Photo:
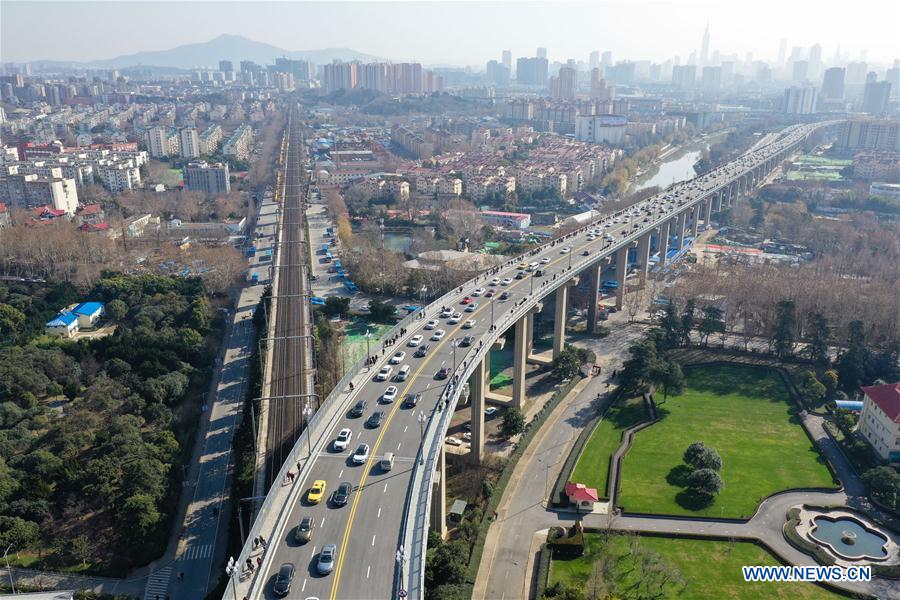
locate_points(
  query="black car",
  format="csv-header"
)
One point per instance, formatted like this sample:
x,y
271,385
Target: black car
x,y
442,374
358,410
422,351
284,579
411,400
586,253
521,275
504,295
342,494
375,420
539,273
466,341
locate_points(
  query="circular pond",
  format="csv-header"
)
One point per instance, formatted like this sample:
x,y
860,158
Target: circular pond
x,y
849,538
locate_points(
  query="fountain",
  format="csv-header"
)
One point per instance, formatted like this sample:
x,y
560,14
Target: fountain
x,y
848,537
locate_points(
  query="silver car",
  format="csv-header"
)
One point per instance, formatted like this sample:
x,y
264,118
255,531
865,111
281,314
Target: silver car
x,y
325,564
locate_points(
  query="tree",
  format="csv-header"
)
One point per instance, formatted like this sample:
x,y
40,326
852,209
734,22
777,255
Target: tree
x,y
140,513
812,389
567,364
564,591
668,374
854,364
669,327
513,423
705,482
700,456
116,309
830,381
637,370
336,306
447,564
819,336
80,549
785,324
381,311
10,319
883,484
687,323
712,322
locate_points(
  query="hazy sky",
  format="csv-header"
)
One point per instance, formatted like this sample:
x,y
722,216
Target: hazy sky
x,y
453,32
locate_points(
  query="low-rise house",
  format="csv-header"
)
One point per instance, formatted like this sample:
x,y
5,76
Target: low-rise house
x,y
89,313
879,421
65,324
581,496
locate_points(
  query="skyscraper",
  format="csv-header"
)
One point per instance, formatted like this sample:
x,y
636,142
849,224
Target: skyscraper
x,y
801,70
876,97
704,47
815,61
833,84
507,59
565,84
594,60
542,53
606,59
531,71
800,100
782,51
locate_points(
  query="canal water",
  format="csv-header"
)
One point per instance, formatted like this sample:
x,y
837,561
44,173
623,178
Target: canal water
x,y
671,171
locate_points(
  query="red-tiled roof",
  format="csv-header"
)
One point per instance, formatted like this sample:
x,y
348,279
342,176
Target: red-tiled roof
x,y
581,493
90,209
2,207
887,398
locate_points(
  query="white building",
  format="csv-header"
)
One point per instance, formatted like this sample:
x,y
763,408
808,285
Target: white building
x,y
27,191
800,100
238,145
609,129
879,421
190,142
158,142
208,178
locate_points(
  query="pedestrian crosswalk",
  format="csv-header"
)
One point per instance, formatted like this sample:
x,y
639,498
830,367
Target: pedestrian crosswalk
x,y
196,552
158,584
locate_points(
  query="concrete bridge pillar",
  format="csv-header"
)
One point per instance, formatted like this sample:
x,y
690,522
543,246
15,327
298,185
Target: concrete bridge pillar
x,y
695,221
707,218
520,354
643,257
478,383
593,273
621,270
438,521
664,242
559,321
679,228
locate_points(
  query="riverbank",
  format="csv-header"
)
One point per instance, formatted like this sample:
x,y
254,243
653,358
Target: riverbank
x,y
675,164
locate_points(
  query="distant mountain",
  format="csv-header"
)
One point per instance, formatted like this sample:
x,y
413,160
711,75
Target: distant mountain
x,y
225,47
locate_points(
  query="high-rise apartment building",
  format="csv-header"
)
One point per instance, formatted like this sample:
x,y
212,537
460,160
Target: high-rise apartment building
x,y
190,142
606,59
564,85
876,97
711,79
497,73
833,83
684,76
207,178
869,134
800,71
594,60
226,66
856,73
157,140
507,60
532,71
542,53
800,100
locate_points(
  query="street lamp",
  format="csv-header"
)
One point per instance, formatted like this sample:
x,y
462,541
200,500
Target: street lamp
x,y
307,413
421,419
8,570
367,335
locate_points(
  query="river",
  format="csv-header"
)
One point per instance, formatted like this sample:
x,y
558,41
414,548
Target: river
x,y
678,167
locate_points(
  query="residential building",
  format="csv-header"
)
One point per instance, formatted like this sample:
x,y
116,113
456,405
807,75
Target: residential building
x,y
209,139
157,139
877,166
876,97
879,422
189,142
28,191
833,83
411,142
684,76
564,85
800,100
876,188
507,220
532,71
238,144
207,178
869,134
608,129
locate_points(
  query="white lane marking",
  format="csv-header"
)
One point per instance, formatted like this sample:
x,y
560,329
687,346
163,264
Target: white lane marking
x,y
405,428
373,540
385,488
314,552
341,474
369,568
303,588
398,446
323,522
379,512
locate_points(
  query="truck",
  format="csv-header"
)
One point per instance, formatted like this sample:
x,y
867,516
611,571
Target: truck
x,y
254,278
251,251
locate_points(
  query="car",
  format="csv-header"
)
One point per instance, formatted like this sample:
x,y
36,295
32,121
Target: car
x,y
466,341
495,281
342,494
415,341
422,351
504,295
398,357
467,436
469,324
465,300
438,335
432,323
325,564
490,410
521,275
304,530
456,318
467,426
375,419
446,312
545,260
385,373
452,441
539,273
411,400
390,394
489,294
361,454
358,409
343,438
478,291
586,253
317,491
507,281
443,373
283,579
565,250
523,265
612,309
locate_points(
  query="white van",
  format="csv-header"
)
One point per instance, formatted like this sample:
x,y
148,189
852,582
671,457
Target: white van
x,y
387,461
403,373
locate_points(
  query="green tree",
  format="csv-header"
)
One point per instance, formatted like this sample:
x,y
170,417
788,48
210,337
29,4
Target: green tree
x,y
669,327
21,532
10,319
637,370
830,381
140,512
667,373
785,324
705,482
700,456
711,322
447,564
336,305
567,364
819,336
451,591
883,484
687,323
513,423
381,312
80,549
812,389
854,365
564,591
116,309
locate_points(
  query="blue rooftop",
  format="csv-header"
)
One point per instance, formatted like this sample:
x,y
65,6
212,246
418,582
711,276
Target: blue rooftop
x,y
88,308
63,319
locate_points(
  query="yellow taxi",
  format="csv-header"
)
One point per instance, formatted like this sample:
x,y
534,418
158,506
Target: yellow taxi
x,y
316,492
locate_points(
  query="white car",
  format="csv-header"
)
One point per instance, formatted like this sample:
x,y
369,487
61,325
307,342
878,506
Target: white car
x,y
490,410
456,318
446,312
361,454
478,291
452,441
472,307
495,281
565,250
432,324
385,373
438,335
545,260
469,324
415,341
343,438
390,394
507,281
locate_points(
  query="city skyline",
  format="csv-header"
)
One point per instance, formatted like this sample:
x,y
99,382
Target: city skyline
x,y
131,27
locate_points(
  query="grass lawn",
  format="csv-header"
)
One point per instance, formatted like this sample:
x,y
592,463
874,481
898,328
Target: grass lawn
x,y
592,468
743,413
711,569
